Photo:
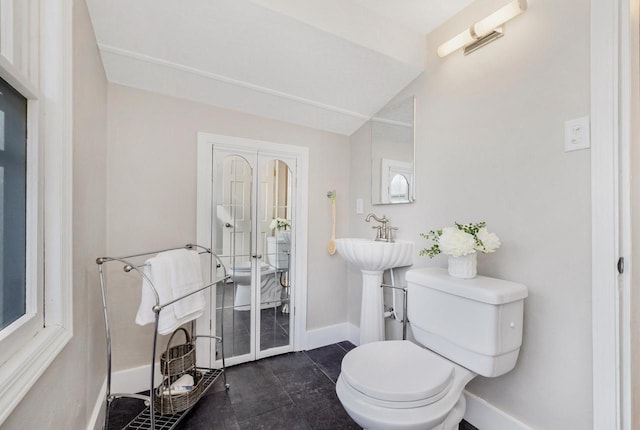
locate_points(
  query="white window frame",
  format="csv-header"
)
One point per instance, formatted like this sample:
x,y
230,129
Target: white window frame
x,y
388,169
54,133
18,332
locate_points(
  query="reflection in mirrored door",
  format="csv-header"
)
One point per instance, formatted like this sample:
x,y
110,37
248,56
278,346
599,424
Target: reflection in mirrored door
x,y
252,223
232,224
275,232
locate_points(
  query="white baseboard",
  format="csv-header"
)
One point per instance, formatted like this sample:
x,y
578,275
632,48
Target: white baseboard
x,y
328,335
485,416
96,420
134,380
353,334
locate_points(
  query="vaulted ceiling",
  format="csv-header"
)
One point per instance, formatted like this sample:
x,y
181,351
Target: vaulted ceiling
x,y
326,64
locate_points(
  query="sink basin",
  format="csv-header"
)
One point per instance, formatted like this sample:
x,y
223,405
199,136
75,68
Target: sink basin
x,y
367,254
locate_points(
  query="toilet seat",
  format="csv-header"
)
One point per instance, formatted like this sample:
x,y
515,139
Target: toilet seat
x,y
397,374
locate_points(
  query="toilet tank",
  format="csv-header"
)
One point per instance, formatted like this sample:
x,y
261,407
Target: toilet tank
x,y
476,323
278,252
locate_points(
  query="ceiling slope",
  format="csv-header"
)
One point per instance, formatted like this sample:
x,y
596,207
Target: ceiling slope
x,y
329,65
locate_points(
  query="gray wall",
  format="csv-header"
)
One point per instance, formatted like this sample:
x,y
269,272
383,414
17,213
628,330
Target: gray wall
x,y
490,148
152,197
65,395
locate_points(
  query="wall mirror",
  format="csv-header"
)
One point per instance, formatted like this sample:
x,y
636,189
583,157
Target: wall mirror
x,y
392,153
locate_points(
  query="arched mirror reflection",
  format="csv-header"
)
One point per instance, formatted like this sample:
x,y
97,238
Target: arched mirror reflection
x,y
276,226
399,189
253,225
232,223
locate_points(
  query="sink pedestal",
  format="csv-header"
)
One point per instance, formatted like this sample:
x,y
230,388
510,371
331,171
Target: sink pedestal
x,y
372,310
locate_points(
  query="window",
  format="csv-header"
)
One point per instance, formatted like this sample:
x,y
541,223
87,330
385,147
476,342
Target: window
x,y
13,205
35,220
396,181
399,189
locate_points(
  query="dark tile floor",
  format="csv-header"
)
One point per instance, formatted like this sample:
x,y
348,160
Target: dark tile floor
x,y
466,426
290,391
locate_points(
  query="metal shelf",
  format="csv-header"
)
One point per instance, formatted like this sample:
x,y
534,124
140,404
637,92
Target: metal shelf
x,y
169,422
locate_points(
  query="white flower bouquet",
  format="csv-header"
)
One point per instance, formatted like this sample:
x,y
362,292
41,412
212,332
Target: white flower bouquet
x,y
280,224
461,240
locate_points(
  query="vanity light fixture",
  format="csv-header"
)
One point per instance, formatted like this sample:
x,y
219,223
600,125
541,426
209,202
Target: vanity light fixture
x,y
484,31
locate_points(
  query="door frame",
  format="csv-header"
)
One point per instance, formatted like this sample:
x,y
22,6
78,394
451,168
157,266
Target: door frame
x,y
206,142
611,110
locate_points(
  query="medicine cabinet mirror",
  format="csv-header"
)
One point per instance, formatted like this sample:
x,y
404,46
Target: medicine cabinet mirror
x,y
392,153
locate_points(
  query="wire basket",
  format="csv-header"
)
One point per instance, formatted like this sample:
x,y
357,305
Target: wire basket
x,y
172,403
179,358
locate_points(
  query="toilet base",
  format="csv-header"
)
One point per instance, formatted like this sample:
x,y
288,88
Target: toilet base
x,y
456,415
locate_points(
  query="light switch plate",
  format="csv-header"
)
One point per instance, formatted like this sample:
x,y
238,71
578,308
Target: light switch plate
x,y
359,206
577,134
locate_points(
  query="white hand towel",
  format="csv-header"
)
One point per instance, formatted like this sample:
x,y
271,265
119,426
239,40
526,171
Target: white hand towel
x,y
173,274
145,313
186,277
158,270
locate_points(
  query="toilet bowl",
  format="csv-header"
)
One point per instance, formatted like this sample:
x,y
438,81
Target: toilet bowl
x,y
399,385
270,289
465,328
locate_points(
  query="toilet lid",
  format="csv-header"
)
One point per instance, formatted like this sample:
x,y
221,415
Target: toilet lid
x,y
398,372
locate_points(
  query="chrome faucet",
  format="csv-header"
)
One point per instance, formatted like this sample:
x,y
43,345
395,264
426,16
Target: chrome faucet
x,y
385,231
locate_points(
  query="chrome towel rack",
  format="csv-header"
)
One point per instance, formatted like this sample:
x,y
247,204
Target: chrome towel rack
x,y
148,418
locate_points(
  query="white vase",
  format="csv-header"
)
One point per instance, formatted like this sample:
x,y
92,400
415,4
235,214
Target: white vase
x,y
465,267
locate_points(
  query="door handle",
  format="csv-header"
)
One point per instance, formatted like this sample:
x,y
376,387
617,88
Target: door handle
x,y
257,256
226,224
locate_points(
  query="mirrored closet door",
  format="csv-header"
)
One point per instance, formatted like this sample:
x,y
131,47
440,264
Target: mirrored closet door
x,y
252,221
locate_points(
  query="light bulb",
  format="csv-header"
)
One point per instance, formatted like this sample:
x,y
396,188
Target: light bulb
x,y
499,17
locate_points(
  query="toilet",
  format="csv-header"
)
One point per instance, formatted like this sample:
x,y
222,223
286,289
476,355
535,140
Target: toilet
x,y
270,289
466,327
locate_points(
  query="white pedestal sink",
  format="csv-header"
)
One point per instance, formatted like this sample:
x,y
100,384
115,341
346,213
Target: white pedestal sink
x,y
373,258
